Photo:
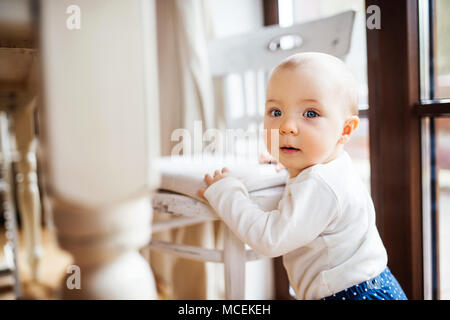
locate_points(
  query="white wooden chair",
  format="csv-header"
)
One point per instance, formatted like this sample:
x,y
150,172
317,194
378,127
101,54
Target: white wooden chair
x,y
249,58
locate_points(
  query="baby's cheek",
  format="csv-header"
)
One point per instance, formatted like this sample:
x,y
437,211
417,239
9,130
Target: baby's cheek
x,y
317,146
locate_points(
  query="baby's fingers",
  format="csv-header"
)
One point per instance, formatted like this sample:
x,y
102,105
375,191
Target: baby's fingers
x,y
208,179
225,170
200,192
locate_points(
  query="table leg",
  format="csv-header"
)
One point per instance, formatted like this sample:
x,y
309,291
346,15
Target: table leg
x,y
27,186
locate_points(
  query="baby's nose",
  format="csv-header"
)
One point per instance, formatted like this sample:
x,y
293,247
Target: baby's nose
x,y
288,127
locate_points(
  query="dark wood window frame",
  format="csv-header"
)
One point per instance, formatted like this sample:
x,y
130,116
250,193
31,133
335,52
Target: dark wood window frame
x,y
395,115
395,139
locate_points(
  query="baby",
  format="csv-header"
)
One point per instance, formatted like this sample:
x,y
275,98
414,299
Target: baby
x,y
324,226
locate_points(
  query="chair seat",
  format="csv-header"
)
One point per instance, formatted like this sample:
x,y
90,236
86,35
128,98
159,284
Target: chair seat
x,y
184,175
174,203
188,211
181,177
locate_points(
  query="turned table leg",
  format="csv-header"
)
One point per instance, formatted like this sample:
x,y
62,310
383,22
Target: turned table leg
x,y
104,243
99,135
27,186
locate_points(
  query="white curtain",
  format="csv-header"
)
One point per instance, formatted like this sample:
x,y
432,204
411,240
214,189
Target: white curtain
x,y
186,91
186,95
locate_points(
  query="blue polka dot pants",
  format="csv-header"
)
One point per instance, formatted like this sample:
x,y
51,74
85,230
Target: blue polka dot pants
x,y
382,287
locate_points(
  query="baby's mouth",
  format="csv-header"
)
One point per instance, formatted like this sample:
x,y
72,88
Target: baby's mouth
x,y
287,149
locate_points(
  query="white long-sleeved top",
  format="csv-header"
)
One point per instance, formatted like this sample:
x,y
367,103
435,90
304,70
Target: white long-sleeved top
x,y
324,227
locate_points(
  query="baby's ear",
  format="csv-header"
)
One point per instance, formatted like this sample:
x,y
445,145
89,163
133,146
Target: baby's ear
x,y
350,126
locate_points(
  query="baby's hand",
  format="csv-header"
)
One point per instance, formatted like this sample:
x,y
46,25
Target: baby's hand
x,y
209,181
267,158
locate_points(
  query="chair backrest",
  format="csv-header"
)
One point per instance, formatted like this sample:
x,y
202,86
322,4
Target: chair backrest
x,y
241,65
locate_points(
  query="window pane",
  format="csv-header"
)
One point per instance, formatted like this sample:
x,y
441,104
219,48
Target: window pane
x,y
443,198
442,59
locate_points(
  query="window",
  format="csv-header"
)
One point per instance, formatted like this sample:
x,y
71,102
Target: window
x,y
443,198
442,58
435,86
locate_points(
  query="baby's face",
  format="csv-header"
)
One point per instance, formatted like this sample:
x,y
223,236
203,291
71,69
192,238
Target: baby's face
x,y
308,111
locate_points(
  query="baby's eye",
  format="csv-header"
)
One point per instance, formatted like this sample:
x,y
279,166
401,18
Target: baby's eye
x,y
275,113
311,114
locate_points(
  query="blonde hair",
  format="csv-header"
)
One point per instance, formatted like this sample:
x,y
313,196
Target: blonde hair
x,y
326,62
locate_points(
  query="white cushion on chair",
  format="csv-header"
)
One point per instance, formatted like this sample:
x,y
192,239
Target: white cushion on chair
x,y
185,174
